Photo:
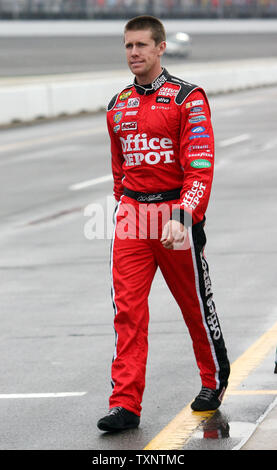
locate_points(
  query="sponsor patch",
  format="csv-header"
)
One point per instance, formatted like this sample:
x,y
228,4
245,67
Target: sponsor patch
x,y
129,126
167,91
194,195
200,163
201,154
133,103
198,147
197,119
199,136
158,82
191,104
120,105
196,109
116,128
125,95
118,116
194,114
198,129
163,99
160,107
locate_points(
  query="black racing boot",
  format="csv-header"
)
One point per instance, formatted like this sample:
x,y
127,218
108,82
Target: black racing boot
x,y
118,419
208,399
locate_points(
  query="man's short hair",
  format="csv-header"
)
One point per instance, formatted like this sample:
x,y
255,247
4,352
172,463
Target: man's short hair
x,y
147,22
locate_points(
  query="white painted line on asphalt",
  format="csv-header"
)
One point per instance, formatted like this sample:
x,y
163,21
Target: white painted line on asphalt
x,y
229,112
234,140
42,395
256,425
47,153
38,141
269,145
93,182
239,152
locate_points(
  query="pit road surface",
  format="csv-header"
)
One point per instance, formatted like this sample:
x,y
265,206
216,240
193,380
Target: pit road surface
x,y
55,307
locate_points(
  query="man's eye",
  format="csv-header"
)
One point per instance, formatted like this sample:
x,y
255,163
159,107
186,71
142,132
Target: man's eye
x,y
139,44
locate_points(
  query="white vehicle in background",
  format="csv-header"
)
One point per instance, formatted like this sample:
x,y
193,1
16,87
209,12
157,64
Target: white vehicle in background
x,y
178,44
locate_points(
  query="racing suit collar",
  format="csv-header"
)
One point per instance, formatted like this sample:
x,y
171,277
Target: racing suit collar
x,y
154,86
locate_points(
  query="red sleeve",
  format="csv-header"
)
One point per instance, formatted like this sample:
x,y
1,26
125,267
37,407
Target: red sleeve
x,y
117,160
196,158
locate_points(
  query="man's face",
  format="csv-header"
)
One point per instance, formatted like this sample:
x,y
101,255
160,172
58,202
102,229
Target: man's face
x,y
143,56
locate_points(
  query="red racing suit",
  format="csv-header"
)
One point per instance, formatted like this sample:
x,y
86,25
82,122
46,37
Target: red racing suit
x,y
161,144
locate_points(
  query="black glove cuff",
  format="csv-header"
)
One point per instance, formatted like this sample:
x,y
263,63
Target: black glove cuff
x,y
182,216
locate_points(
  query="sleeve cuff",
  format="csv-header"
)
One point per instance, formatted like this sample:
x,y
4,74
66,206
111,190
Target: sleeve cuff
x,y
182,216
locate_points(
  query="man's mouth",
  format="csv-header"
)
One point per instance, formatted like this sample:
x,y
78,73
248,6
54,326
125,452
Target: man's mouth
x,y
137,62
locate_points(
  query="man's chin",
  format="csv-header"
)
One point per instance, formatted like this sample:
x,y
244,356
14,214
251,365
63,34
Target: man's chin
x,y
138,69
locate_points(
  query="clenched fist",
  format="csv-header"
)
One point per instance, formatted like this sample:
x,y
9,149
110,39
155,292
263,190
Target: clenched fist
x,y
174,234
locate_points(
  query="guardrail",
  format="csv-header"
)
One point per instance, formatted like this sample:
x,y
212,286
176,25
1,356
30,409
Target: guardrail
x,y
26,99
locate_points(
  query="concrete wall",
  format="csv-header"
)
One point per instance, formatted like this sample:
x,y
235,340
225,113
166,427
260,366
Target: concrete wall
x,y
25,99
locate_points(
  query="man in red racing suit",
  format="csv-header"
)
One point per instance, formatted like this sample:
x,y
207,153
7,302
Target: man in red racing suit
x,y
162,148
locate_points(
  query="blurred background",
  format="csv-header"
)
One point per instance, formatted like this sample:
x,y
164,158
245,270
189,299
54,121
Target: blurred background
x,y
20,9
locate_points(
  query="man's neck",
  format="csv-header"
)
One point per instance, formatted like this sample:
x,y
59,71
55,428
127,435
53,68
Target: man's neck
x,y
147,79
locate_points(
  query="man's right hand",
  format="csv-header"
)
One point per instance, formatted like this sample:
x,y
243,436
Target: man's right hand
x,y
174,234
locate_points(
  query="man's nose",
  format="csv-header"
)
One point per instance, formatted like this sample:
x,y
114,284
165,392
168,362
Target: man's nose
x,y
134,50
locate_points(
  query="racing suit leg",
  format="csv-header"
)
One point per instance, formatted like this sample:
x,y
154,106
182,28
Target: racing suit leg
x,y
187,275
133,267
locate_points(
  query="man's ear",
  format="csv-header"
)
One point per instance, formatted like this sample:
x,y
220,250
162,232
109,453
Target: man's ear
x,y
162,47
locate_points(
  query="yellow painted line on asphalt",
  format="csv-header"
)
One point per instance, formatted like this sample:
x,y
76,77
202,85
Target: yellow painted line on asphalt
x,y
50,139
178,431
174,435
252,357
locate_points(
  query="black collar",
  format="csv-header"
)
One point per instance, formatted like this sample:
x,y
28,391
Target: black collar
x,y
155,85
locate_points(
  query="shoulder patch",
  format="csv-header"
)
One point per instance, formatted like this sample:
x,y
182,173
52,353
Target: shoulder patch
x,y
112,102
124,92
185,89
184,92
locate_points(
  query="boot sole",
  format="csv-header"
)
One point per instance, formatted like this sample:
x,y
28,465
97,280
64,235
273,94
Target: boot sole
x,y
205,409
107,428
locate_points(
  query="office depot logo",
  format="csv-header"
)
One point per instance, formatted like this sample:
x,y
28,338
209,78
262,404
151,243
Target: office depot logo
x,y
138,148
194,195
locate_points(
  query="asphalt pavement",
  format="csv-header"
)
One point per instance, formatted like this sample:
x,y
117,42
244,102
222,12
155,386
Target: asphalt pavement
x,y
24,56
56,335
